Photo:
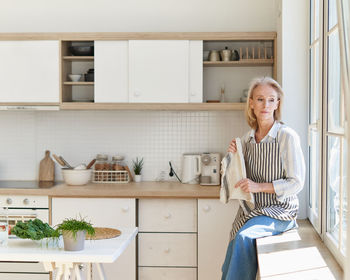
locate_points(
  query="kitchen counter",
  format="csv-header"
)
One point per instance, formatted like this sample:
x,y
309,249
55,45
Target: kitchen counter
x,y
131,190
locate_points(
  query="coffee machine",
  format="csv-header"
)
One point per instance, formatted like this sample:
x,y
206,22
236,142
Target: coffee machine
x,y
210,169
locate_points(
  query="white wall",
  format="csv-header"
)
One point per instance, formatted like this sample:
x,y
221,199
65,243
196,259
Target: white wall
x,y
136,15
292,28
146,16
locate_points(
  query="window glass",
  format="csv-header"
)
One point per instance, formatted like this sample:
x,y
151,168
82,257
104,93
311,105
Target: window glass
x,y
334,97
333,180
314,165
344,200
332,13
314,84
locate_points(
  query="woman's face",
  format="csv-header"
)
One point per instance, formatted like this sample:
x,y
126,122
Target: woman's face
x,y
264,101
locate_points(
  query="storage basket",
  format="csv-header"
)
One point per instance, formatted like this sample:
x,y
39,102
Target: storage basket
x,y
108,176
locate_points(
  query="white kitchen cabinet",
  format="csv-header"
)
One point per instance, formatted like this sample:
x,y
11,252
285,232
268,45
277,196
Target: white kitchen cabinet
x,y
196,72
29,71
214,225
159,71
111,71
167,239
103,212
167,273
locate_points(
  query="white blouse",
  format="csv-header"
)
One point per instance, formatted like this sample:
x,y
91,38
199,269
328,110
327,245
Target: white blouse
x,y
291,155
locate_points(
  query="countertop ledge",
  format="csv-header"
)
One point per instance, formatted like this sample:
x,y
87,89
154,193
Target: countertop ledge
x,y
129,190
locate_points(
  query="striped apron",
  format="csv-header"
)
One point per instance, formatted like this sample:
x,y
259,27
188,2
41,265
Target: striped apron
x,y
264,165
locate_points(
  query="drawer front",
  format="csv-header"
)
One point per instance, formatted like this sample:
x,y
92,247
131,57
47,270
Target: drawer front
x,y
168,249
168,215
167,273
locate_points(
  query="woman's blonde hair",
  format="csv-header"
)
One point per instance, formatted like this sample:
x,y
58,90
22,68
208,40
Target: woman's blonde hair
x,y
251,117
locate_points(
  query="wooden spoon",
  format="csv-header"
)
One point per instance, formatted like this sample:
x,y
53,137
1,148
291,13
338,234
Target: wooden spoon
x,y
91,163
66,163
59,161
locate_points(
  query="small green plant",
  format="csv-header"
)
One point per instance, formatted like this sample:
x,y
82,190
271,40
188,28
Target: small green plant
x,y
75,225
137,166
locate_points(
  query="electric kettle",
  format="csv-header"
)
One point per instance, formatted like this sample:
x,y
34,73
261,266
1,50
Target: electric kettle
x,y
191,168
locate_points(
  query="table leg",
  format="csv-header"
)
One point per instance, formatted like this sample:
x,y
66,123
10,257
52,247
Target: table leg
x,y
101,271
76,271
89,271
59,273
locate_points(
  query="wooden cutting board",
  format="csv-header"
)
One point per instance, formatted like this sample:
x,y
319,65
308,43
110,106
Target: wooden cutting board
x,y
47,168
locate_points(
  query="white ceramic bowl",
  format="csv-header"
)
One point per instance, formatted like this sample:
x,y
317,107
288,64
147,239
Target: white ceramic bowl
x,y
74,77
76,177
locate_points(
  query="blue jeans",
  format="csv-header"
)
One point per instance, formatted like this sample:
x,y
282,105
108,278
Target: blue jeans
x,y
241,261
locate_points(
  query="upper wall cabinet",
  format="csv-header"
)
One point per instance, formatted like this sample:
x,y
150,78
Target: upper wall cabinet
x,y
29,71
111,71
159,71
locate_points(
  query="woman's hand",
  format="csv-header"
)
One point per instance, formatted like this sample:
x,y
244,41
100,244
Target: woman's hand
x,y
232,148
248,186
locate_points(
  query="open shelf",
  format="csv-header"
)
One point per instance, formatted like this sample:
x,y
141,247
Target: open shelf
x,y
243,62
79,83
78,58
153,106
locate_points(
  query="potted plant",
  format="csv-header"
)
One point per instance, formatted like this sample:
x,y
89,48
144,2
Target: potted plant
x,y
74,233
137,166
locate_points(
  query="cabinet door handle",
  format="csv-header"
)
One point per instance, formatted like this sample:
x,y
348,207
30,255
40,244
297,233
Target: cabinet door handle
x,y
137,93
167,216
193,94
125,209
206,208
167,250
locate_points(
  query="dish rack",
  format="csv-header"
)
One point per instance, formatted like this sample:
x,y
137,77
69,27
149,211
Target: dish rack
x,y
108,176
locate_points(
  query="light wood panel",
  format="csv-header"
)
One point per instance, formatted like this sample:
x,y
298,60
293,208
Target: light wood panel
x,y
296,254
243,62
78,58
81,36
131,190
154,106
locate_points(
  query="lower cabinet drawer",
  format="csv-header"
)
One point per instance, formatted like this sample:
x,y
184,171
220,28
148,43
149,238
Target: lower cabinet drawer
x,y
168,249
167,273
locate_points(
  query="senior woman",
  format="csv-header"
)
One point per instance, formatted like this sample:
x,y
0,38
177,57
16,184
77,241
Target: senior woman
x,y
275,174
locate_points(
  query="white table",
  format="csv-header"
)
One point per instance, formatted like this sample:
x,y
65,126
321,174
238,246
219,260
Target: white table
x,y
66,263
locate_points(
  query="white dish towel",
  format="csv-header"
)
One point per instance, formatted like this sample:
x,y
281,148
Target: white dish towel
x,y
233,170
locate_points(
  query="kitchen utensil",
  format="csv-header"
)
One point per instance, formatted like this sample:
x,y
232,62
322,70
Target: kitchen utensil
x,y
90,76
191,168
104,233
129,172
210,169
66,163
74,77
235,55
214,55
226,54
91,163
47,168
76,176
59,161
82,50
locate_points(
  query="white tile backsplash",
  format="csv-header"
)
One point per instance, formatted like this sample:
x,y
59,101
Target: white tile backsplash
x,y
157,136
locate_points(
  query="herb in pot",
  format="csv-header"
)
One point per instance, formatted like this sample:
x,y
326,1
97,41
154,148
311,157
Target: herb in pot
x,y
137,166
75,225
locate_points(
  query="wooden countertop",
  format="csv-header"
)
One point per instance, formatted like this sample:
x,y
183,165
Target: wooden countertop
x,y
131,190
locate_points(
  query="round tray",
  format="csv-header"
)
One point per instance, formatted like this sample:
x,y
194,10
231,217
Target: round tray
x,y
104,233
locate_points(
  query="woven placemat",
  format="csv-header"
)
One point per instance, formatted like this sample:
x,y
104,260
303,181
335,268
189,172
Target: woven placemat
x,y
104,233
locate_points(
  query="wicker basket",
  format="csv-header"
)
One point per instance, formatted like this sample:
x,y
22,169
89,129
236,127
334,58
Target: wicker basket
x,y
106,176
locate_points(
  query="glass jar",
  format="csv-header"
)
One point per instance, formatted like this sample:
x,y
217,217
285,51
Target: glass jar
x,y
101,165
118,166
118,163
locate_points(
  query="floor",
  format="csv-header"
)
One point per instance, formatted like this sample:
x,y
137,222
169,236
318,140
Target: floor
x,y
297,254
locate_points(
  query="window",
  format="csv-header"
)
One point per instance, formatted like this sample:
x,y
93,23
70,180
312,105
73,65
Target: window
x,y
327,142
